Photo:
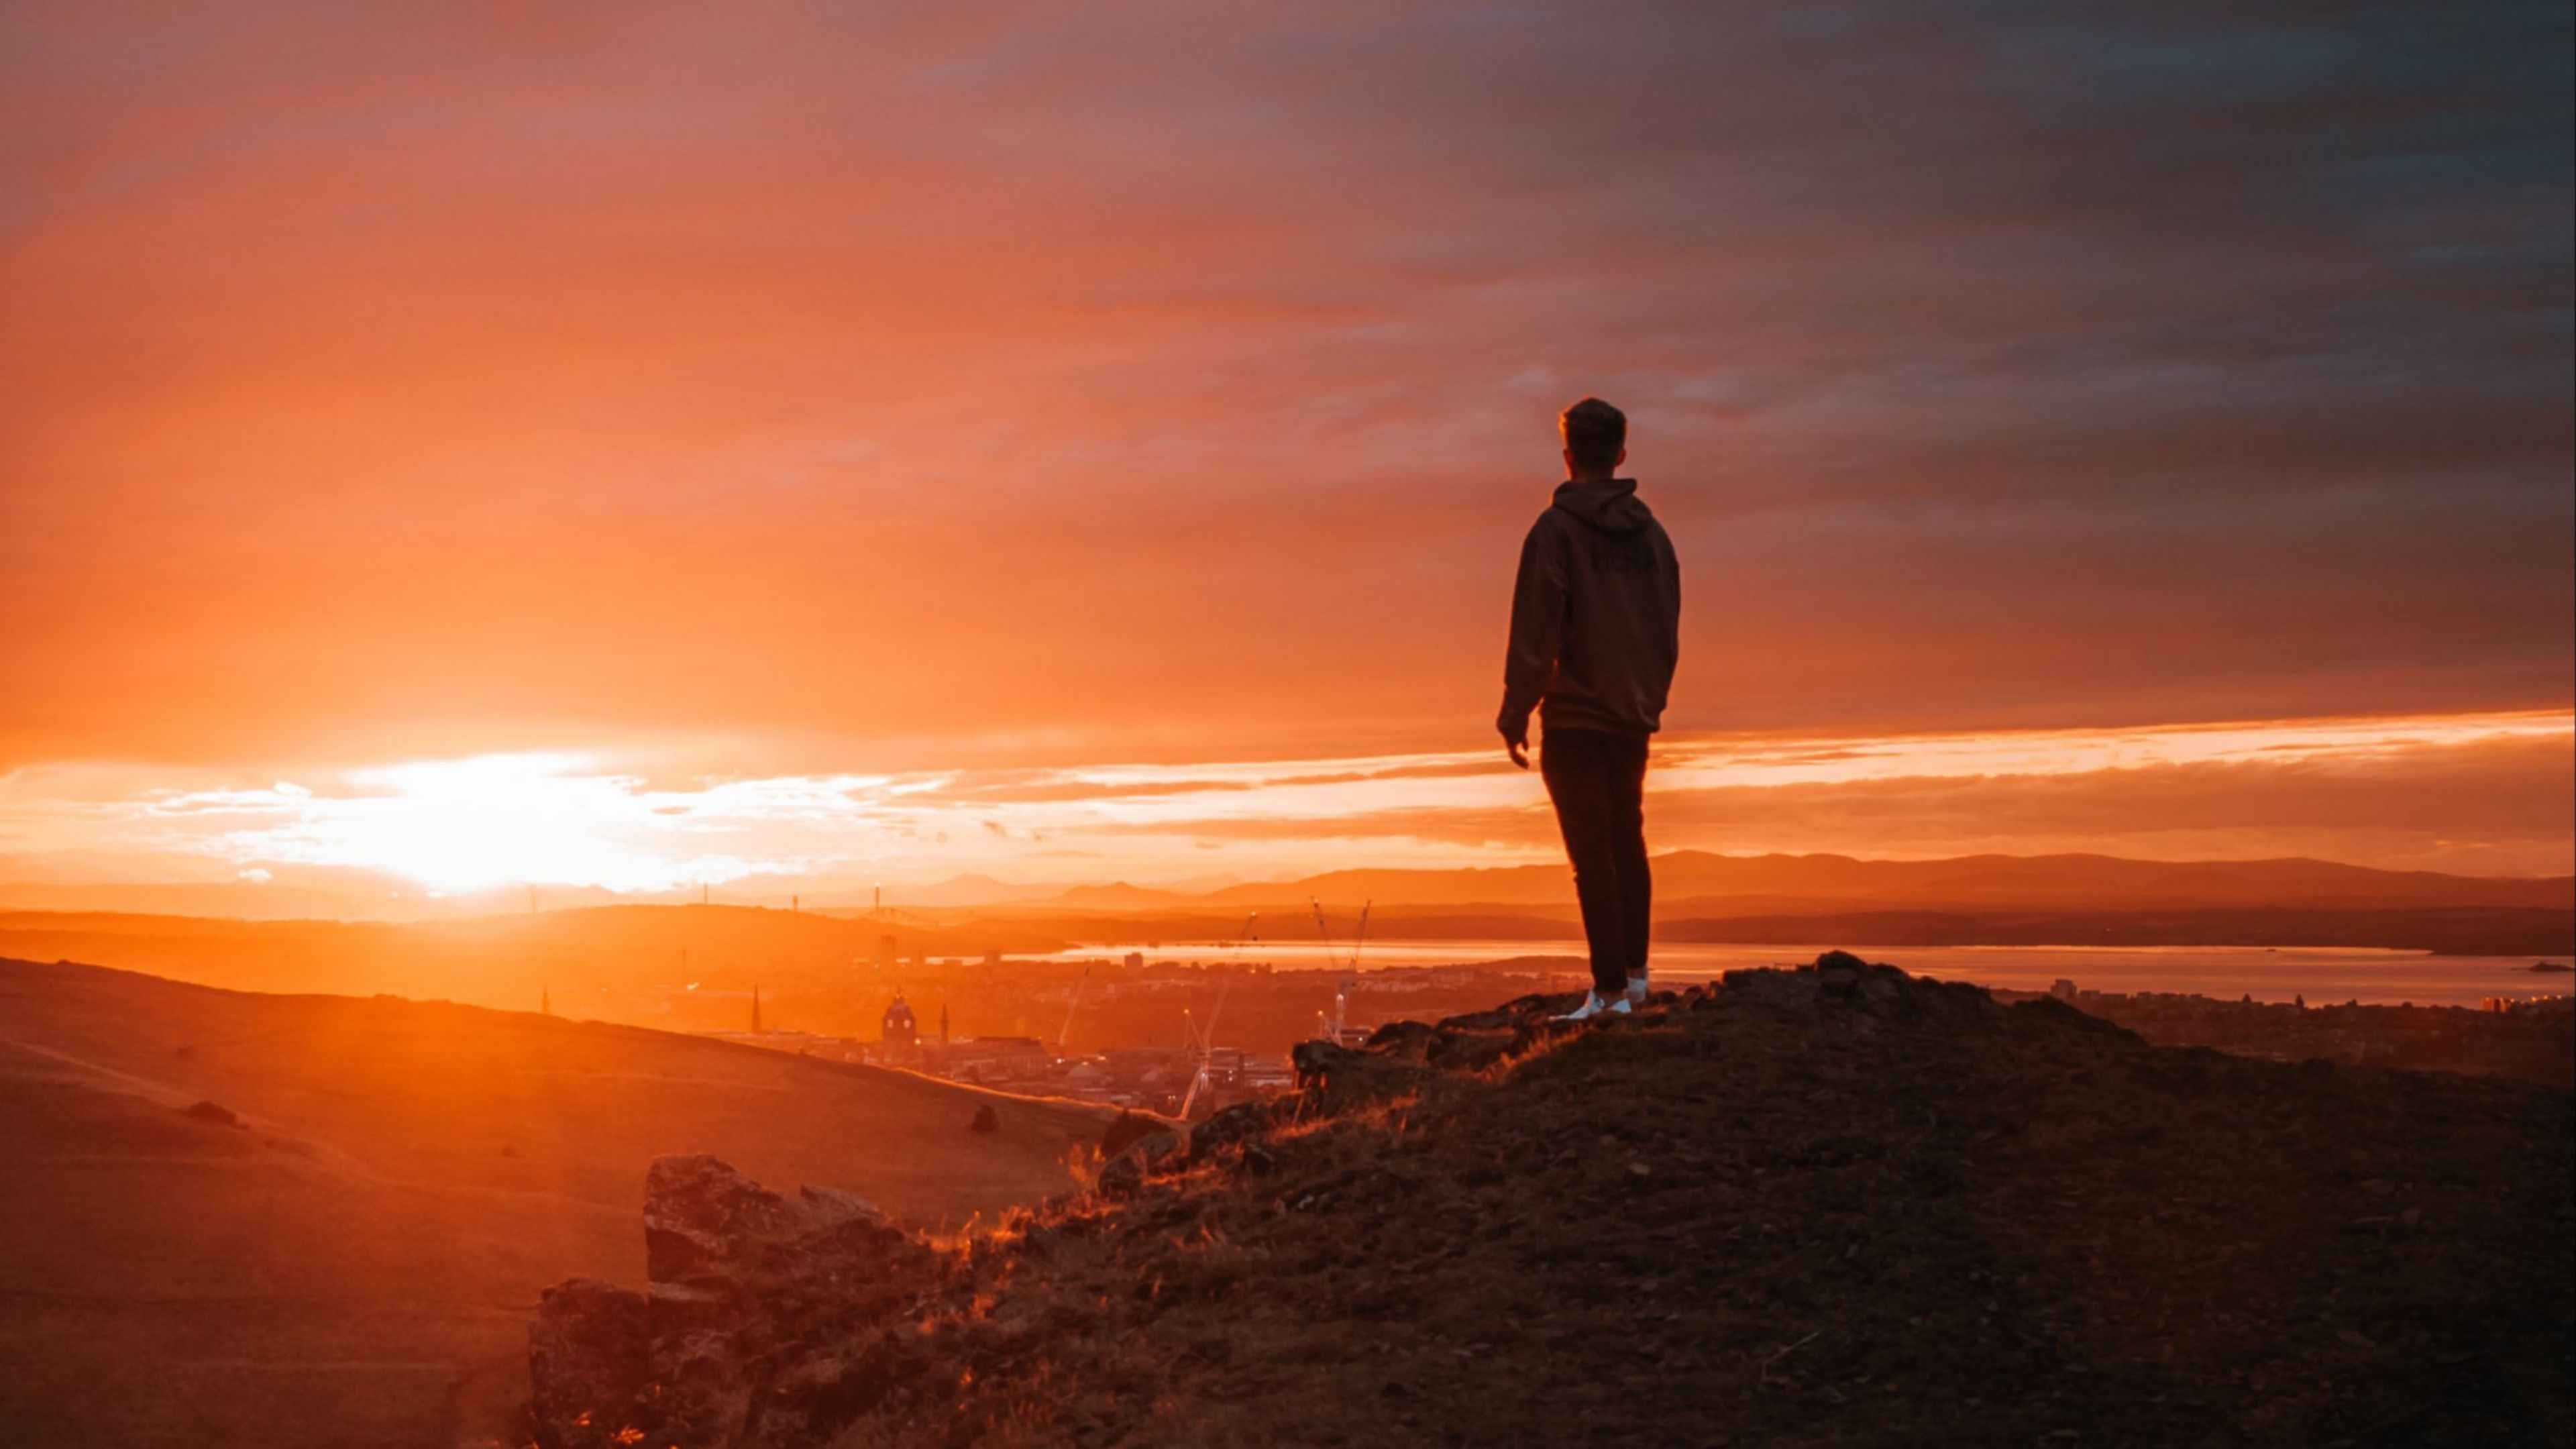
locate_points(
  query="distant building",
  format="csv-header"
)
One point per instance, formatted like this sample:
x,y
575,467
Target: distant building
x,y
1135,960
899,1029
885,953
2062,989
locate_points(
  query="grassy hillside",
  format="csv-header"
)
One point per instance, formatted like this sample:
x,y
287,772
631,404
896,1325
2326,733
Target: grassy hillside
x,y
611,963
352,1259
1831,1207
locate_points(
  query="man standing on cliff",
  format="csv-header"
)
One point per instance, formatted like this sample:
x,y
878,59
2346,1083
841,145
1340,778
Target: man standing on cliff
x,y
1596,624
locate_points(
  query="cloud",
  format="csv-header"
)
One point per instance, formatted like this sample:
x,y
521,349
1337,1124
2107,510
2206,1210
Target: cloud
x,y
2478,794
432,383
2498,806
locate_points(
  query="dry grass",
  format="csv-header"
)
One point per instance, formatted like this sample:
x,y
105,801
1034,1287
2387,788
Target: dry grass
x,y
1744,1225
359,1258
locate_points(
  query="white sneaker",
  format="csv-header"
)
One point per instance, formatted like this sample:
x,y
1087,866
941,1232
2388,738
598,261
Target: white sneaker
x,y
1637,989
1597,1004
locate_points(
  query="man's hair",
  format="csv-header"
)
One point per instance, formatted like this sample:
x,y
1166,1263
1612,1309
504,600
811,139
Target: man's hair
x,y
1594,433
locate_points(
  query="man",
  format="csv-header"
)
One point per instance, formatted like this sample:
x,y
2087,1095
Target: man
x,y
1596,622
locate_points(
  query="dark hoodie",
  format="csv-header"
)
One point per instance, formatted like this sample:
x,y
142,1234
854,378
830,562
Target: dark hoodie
x,y
1596,615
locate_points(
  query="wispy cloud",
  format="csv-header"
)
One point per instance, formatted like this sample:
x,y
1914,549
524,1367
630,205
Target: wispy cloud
x,y
2492,794
867,386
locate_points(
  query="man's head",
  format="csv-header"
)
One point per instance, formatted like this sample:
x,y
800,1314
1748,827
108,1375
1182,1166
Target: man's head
x,y
1596,438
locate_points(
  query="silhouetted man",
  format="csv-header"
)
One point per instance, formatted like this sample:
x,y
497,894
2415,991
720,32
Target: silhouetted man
x,y
1596,622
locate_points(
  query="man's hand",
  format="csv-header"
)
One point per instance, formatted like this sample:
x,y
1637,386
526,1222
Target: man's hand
x,y
1517,746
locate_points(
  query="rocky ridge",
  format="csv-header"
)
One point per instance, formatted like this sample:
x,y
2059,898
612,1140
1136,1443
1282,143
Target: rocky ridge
x,y
1839,1205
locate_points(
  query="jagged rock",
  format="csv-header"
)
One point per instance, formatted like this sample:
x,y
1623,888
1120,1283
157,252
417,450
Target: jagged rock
x,y
1406,1040
1120,1176
1845,984
1231,1127
700,1214
1793,991
1317,1060
1462,1044
679,1310
2066,1018
589,1366
832,1206
706,1223
734,1269
1838,973
1335,1079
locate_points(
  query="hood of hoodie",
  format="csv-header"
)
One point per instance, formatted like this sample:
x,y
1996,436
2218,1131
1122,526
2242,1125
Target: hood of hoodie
x,y
1608,504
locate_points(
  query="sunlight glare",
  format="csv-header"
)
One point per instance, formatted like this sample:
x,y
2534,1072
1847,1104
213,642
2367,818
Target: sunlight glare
x,y
458,826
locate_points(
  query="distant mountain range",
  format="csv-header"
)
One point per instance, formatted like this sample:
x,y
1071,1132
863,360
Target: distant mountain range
x,y
1700,883
1689,884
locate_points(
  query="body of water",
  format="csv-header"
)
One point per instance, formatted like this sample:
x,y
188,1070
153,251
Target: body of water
x,y
2323,975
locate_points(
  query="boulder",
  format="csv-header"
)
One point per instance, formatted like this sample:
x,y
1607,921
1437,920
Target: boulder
x,y
1120,1176
706,1223
1838,973
830,1207
1229,1128
589,1366
1334,1079
215,1112
737,1271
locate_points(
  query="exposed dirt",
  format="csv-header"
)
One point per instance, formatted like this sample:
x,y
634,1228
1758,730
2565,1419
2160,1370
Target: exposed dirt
x,y
1773,1213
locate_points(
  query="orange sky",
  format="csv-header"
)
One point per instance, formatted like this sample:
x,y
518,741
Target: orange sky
x,y
757,392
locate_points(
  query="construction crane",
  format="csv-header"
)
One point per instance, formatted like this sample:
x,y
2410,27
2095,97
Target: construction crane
x,y
1072,1006
1359,940
1207,1037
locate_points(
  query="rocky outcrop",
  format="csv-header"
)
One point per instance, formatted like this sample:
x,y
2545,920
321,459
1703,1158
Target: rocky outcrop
x,y
1831,1205
1229,1130
736,1340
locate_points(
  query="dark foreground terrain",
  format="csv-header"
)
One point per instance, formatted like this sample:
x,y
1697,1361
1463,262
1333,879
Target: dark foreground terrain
x,y
1832,1206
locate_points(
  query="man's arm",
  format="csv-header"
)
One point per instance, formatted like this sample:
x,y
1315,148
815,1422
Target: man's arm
x,y
1538,629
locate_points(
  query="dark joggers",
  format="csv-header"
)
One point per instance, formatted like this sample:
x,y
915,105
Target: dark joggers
x,y
1596,780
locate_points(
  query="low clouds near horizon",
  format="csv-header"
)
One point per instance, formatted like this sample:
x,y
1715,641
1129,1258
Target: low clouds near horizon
x,y
2490,796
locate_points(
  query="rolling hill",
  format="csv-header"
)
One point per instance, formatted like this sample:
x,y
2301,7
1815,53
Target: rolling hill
x,y
1810,1209
611,962
342,1248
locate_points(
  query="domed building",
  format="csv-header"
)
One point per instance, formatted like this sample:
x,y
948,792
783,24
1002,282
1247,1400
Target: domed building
x,y
899,1027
